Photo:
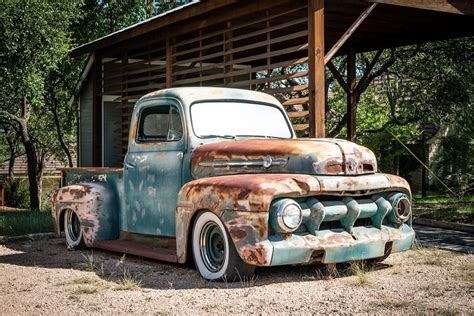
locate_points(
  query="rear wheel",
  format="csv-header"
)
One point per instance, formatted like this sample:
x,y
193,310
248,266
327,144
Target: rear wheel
x,y
214,252
73,231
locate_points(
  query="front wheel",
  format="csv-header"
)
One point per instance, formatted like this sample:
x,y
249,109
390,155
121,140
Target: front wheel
x,y
214,253
73,231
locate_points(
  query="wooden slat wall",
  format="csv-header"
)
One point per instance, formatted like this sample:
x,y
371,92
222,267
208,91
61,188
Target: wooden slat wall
x,y
265,51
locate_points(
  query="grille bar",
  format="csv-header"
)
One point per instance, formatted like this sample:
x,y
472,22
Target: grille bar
x,y
346,211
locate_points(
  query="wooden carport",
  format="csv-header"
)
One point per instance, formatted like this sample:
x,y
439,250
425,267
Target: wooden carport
x,y
278,46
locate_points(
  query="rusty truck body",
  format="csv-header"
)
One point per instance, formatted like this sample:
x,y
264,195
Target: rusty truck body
x,y
218,175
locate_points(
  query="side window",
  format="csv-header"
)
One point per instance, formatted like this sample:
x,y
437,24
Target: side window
x,y
160,124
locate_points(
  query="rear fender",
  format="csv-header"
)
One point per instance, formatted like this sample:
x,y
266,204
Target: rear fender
x,y
242,202
96,206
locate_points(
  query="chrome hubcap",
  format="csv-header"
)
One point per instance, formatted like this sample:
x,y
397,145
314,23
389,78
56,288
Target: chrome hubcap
x,y
212,246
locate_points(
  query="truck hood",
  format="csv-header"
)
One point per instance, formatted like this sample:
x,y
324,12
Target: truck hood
x,y
306,156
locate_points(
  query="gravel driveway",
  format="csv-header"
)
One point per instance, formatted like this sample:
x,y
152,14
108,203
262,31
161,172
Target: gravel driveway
x,y
42,277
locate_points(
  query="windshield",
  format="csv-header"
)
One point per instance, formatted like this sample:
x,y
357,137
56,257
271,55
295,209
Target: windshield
x,y
238,119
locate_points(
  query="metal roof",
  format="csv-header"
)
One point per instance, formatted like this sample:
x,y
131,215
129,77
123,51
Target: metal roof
x,y
393,23
137,25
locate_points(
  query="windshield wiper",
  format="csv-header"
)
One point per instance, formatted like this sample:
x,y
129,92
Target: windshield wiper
x,y
218,136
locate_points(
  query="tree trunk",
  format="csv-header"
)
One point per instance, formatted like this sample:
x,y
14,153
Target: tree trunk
x,y
11,164
11,161
32,163
39,177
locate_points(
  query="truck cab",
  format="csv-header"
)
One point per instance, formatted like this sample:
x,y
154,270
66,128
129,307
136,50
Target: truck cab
x,y
218,176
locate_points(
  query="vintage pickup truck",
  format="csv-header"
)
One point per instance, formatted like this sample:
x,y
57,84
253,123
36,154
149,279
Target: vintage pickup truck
x,y
218,175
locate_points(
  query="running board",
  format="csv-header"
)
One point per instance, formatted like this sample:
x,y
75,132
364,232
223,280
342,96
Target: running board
x,y
138,249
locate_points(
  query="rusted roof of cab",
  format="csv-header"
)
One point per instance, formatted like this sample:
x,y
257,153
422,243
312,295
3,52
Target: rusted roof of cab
x,y
189,95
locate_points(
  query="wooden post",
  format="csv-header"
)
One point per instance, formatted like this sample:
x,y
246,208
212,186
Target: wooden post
x,y
97,113
316,68
126,112
351,96
169,63
228,67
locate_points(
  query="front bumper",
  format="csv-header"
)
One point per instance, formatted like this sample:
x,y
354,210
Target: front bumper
x,y
337,245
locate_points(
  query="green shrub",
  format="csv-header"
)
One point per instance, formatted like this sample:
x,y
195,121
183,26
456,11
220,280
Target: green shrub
x,y
17,193
25,222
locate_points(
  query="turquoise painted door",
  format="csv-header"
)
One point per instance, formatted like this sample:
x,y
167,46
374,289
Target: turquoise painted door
x,y
153,170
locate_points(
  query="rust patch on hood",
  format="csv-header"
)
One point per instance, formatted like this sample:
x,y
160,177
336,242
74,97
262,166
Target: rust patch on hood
x,y
305,156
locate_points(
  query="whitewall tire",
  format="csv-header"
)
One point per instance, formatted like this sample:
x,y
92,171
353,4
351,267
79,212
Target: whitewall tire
x,y
73,231
214,252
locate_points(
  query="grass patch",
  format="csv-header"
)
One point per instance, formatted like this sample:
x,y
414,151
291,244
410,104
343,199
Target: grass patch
x,y
25,222
444,208
360,270
442,199
433,290
465,272
391,303
431,256
89,262
84,290
128,282
446,311
85,280
445,212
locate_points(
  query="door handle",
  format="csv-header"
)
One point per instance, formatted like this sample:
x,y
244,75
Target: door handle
x,y
129,165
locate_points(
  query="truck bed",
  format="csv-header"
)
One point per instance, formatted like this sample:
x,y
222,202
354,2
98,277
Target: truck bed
x,y
91,174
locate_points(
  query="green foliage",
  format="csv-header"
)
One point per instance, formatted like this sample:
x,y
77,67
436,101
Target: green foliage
x,y
33,38
16,193
25,222
431,84
453,161
100,18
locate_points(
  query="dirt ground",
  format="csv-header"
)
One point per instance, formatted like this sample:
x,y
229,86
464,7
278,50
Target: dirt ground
x,y
42,277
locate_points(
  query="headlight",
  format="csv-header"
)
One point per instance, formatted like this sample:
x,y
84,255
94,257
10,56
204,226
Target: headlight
x,y
401,207
286,215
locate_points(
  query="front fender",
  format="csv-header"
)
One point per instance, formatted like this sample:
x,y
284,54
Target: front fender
x,y
96,206
242,202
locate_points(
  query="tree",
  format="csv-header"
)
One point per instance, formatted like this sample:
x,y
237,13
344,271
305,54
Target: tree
x,y
101,17
33,39
429,86
12,145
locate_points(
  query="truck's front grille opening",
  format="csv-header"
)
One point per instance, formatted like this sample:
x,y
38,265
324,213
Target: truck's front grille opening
x,y
337,224
363,222
335,212
330,212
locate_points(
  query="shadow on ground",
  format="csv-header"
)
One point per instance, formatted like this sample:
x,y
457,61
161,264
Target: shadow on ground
x,y
52,254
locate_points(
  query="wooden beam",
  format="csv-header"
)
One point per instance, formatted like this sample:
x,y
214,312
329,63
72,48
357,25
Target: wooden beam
x,y
316,70
192,10
337,75
351,96
200,15
368,70
465,7
349,32
97,113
